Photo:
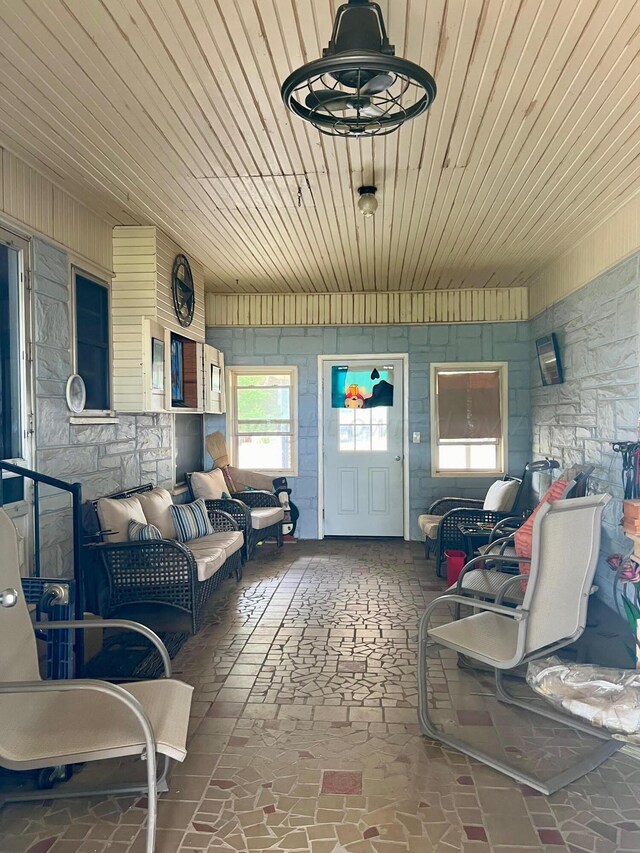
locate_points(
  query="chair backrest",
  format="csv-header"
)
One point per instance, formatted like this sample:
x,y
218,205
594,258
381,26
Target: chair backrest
x,y
18,653
566,544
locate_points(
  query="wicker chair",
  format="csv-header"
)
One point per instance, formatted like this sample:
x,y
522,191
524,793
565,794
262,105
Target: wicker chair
x,y
155,582
247,508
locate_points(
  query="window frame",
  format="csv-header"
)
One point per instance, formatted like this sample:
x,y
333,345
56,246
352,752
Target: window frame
x,y
95,279
503,369
232,372
22,245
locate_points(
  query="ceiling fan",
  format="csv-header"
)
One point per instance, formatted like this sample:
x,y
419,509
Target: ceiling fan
x,y
359,87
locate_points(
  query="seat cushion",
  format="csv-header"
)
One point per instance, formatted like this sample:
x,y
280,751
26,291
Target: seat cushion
x,y
155,506
428,524
229,540
209,558
501,496
210,485
262,517
115,514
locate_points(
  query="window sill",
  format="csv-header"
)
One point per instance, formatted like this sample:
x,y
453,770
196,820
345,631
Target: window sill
x,y
180,489
92,420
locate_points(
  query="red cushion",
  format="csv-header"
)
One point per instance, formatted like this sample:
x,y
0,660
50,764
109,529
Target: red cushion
x,y
523,537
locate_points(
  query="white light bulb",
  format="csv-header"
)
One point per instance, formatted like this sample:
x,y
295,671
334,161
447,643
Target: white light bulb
x,y
368,204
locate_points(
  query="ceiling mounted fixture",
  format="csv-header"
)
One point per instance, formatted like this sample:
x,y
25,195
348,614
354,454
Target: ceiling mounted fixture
x,y
367,203
359,87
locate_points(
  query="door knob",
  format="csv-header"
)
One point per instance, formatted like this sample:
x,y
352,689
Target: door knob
x,y
8,597
398,458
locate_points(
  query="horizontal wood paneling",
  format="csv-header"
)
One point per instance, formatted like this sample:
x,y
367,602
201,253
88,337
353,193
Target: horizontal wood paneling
x,y
601,248
32,200
453,306
170,113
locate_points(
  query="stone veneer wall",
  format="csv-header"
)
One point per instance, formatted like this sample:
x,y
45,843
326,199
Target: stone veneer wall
x,y
598,334
104,458
425,344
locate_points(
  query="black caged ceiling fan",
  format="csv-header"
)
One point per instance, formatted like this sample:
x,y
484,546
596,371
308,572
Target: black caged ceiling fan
x,y
359,87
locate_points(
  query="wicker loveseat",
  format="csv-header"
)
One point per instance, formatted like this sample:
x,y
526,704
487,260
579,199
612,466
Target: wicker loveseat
x,y
162,583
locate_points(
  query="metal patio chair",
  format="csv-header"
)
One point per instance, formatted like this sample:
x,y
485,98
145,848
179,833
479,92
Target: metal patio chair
x,y
566,541
55,724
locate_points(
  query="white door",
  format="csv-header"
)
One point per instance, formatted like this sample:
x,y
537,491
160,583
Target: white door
x,y
363,447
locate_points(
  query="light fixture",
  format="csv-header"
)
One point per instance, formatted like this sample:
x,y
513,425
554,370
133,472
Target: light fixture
x,y
359,87
367,203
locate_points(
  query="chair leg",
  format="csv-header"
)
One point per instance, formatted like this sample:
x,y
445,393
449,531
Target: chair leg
x,y
152,801
549,786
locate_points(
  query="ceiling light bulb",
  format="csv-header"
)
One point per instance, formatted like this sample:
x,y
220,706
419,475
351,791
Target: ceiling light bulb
x,y
367,203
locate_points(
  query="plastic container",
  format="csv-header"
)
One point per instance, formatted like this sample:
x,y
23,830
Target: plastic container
x,y
455,564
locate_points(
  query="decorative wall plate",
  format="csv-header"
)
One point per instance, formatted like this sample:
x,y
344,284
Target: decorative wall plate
x,y
184,297
76,393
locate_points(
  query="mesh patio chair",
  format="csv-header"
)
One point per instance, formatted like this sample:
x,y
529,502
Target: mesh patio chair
x,y
566,541
55,724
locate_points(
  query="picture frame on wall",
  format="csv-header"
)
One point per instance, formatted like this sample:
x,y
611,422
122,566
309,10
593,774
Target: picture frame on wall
x,y
157,364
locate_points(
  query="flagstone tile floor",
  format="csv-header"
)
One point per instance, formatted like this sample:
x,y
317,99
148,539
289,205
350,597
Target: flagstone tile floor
x,y
304,733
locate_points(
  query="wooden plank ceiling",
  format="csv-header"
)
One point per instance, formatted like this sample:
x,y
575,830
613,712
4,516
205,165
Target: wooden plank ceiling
x,y
169,112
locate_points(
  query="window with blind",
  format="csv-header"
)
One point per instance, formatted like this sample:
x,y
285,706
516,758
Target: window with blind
x,y
468,418
261,418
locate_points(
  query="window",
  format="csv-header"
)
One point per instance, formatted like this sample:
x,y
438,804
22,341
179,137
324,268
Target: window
x,y
92,340
262,418
468,418
363,430
13,254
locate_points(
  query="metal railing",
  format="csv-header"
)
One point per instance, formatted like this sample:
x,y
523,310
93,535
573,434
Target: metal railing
x,y
77,602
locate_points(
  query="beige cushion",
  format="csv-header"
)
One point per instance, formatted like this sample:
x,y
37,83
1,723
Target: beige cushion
x,y
115,514
262,517
501,496
429,525
209,485
209,560
155,506
229,540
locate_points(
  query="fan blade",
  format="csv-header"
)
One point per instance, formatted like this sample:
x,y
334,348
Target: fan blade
x,y
371,111
378,84
327,98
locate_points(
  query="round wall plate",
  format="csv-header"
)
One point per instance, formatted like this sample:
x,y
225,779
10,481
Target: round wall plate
x,y
76,393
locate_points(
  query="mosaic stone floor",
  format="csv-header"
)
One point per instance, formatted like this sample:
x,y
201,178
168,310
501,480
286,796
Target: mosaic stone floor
x,y
304,734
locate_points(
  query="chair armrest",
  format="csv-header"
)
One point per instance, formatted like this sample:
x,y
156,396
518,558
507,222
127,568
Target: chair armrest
x,y
498,543
517,613
126,624
515,520
443,505
238,511
222,520
257,498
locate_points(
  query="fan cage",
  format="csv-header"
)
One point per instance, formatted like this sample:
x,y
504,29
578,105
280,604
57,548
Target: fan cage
x,y
411,93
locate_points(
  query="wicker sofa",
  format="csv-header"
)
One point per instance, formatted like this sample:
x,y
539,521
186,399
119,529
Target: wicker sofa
x,y
162,583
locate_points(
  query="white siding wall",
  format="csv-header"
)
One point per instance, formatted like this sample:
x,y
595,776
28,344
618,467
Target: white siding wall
x,y
346,309
166,251
31,201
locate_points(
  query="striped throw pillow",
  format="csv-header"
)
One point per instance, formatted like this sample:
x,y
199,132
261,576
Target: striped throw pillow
x,y
191,520
139,532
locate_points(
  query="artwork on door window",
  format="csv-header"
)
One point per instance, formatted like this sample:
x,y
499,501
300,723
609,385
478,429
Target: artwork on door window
x,y
360,387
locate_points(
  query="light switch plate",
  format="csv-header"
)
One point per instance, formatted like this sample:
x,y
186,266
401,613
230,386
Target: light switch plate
x,y
416,438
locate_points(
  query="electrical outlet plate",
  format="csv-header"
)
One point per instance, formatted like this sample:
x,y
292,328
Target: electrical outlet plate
x,y
416,438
